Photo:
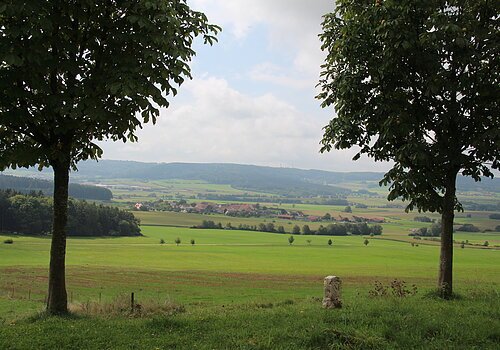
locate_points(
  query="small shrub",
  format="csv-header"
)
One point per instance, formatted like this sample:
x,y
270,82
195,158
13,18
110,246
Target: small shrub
x,y
330,242
192,242
308,241
366,242
379,290
400,290
162,241
8,241
486,244
291,239
177,241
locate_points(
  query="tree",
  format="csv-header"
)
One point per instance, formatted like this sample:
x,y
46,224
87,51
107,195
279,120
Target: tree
x,y
192,242
177,241
291,239
306,230
296,230
270,227
366,242
330,242
348,209
74,72
162,241
308,241
415,83
281,229
322,230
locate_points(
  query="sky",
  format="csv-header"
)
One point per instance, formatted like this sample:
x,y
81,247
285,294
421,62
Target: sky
x,y
252,96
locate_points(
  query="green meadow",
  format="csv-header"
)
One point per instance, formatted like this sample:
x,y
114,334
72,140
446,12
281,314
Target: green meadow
x,y
230,286
237,258
252,290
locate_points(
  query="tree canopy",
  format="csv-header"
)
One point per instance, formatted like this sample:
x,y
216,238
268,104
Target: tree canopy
x,y
416,83
76,72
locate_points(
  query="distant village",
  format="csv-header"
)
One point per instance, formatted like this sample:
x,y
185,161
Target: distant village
x,y
245,210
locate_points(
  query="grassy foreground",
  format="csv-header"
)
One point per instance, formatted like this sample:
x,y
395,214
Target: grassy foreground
x,y
363,323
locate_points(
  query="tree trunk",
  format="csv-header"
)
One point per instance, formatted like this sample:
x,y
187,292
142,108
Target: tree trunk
x,y
57,301
445,281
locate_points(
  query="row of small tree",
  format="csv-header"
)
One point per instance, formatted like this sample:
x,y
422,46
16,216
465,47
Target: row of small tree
x,y
291,239
178,241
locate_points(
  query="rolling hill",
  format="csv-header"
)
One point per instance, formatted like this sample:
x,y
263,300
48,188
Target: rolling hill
x,y
281,181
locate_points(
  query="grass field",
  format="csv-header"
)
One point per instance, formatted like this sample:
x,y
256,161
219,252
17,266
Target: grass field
x,y
234,284
232,258
252,290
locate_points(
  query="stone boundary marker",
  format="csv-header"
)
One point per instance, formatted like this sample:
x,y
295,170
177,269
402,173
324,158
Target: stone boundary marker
x,y
332,298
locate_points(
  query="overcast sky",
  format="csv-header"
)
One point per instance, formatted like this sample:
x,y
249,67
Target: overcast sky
x,y
251,100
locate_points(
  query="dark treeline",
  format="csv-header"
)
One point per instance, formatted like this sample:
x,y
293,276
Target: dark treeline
x,y
27,185
337,229
32,214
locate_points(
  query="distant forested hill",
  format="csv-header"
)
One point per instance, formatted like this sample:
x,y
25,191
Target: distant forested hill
x,y
281,181
26,185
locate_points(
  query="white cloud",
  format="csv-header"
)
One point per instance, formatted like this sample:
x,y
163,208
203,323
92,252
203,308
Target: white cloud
x,y
220,124
292,24
274,74
211,121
